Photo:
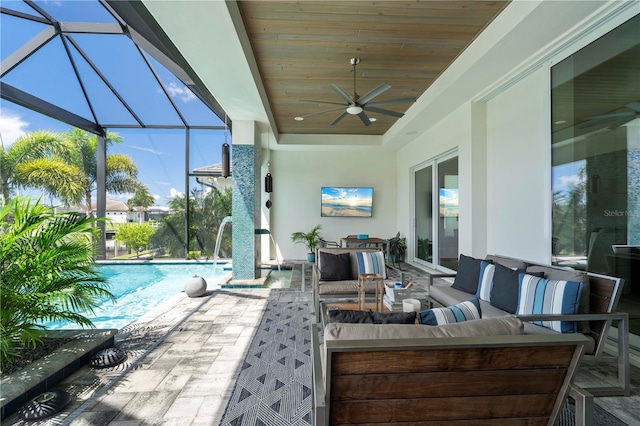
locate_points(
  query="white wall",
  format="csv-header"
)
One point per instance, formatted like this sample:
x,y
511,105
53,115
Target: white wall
x,y
297,179
519,170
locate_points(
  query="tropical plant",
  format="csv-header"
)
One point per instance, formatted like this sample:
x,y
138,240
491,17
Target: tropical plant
x,y
47,272
397,248
65,166
31,162
142,198
311,239
135,235
121,170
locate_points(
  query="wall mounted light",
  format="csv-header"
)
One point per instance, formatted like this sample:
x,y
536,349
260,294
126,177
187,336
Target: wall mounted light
x,y
226,162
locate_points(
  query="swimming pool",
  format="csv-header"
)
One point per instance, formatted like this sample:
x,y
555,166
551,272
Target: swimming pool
x,y
141,287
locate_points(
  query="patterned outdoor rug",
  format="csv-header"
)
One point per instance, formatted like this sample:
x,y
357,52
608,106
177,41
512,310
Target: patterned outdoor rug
x,y
274,385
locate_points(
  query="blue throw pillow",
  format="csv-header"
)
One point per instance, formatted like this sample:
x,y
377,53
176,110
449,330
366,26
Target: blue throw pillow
x,y
371,262
464,311
542,296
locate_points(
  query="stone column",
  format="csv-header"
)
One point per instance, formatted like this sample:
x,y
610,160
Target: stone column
x,y
245,158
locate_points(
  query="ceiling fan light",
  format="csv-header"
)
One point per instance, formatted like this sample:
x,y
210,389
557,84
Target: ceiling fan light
x,y
354,110
299,118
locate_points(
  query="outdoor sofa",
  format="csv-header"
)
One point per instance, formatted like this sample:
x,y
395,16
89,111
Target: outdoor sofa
x,y
335,272
498,295
484,371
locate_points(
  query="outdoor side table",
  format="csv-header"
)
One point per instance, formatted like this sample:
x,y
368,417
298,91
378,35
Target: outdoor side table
x,y
378,282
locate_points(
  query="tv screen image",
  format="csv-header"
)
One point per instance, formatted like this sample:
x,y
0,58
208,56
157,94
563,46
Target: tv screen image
x,y
343,201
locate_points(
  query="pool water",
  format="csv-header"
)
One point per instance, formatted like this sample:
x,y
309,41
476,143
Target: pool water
x,y
140,288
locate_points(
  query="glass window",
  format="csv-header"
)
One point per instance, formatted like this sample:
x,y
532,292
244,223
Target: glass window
x,y
595,106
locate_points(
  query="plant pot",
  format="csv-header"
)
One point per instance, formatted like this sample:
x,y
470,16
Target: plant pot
x,y
311,257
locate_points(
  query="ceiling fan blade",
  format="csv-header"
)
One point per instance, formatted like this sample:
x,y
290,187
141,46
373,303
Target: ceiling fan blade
x,y
384,111
372,94
634,106
392,101
341,93
322,112
321,102
364,118
610,115
340,117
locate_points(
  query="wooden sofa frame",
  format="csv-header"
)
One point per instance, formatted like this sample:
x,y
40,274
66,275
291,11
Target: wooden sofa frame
x,y
605,292
510,380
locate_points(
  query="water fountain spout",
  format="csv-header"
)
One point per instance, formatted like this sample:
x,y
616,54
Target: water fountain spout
x,y
216,253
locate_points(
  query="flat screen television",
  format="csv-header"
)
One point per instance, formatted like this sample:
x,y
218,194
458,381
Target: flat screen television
x,y
345,201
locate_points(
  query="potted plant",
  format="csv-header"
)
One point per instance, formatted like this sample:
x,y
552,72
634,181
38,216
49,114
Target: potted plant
x,y
310,239
397,249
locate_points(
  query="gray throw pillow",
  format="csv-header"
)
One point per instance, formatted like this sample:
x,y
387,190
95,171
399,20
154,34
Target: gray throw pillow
x,y
335,267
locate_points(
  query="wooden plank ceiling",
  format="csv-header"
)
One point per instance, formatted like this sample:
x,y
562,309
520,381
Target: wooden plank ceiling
x,y
303,47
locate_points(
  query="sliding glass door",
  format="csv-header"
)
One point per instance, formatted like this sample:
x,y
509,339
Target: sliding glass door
x,y
435,212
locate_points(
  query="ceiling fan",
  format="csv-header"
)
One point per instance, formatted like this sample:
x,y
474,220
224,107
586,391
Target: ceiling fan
x,y
358,105
613,119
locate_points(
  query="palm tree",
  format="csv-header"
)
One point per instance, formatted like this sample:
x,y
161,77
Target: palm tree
x,y
121,171
47,272
142,198
31,162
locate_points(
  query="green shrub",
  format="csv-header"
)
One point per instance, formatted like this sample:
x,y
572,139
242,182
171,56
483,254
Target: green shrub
x,y
47,273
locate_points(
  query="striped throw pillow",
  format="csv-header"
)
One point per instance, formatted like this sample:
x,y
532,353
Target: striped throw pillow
x,y
486,280
371,262
541,296
465,311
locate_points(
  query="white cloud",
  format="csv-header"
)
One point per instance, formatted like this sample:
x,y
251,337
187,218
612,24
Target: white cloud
x,y
569,181
183,93
12,126
174,193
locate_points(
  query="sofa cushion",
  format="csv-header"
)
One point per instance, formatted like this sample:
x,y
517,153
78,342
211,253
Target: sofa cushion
x,y
346,287
500,326
486,280
370,317
542,296
468,274
461,312
371,262
556,273
335,267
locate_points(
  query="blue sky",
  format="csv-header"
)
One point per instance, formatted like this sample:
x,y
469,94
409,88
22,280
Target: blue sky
x,y
159,154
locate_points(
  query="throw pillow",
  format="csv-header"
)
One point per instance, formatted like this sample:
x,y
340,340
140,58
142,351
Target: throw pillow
x,y
334,267
464,311
467,275
371,262
506,288
486,280
349,316
394,317
542,296
370,317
